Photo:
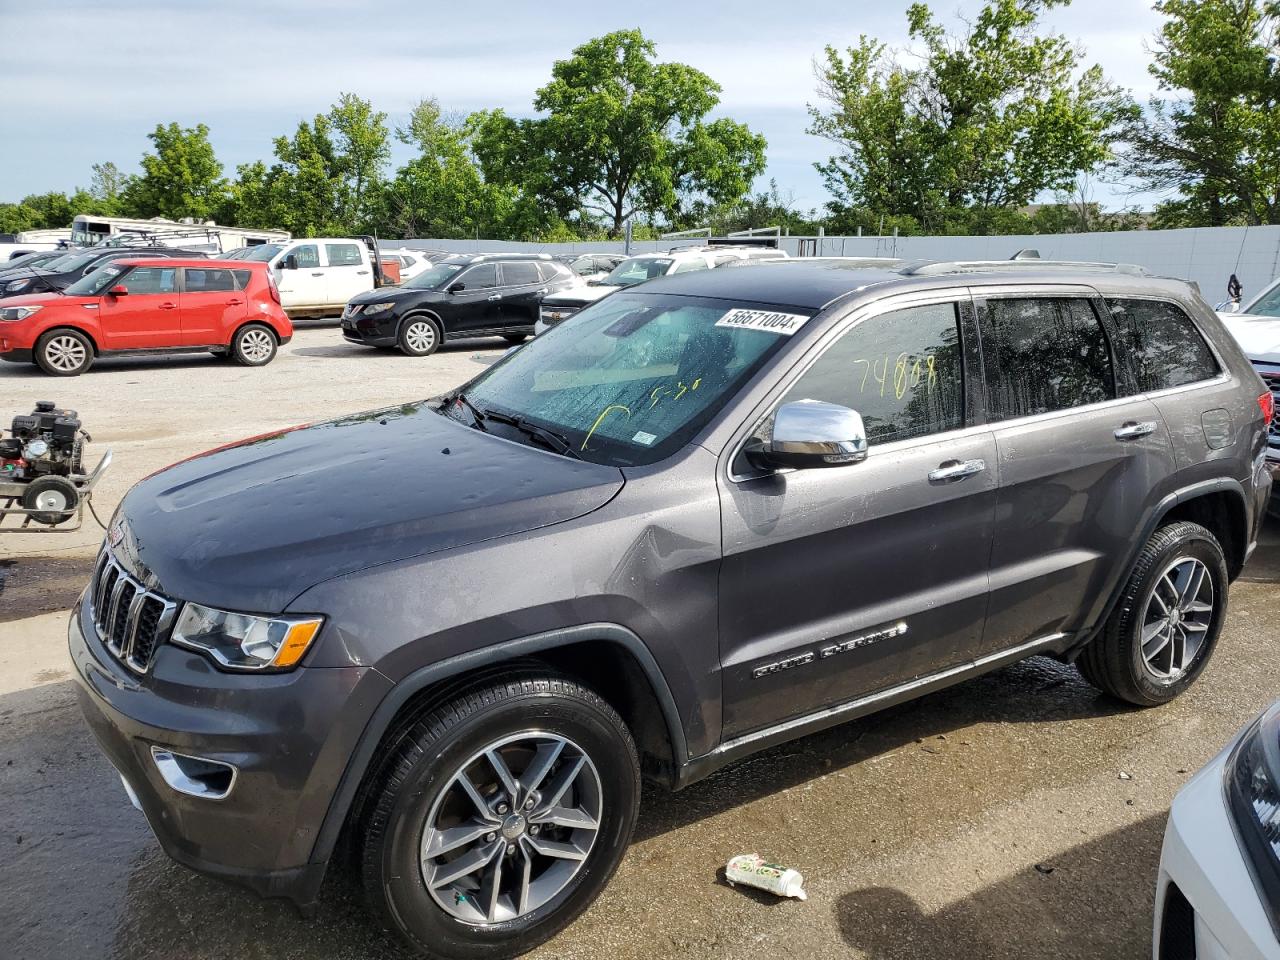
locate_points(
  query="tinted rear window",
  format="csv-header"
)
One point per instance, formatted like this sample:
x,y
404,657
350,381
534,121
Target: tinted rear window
x,y
520,272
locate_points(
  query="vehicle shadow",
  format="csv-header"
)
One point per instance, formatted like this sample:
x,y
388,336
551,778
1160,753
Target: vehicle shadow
x,y
114,364
1093,900
345,349
1036,691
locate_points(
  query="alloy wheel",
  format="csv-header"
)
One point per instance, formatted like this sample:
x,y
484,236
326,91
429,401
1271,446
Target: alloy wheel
x,y
255,345
65,353
512,828
1177,618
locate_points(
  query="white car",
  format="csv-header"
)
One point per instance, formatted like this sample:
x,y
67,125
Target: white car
x,y
1256,328
638,269
1218,892
412,262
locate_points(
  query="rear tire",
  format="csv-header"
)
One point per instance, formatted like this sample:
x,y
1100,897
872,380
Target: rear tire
x,y
563,847
1161,634
419,336
64,353
254,345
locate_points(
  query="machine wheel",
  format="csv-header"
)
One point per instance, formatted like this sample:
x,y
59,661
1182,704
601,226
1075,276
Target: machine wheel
x,y
64,353
419,336
254,345
1163,631
55,497
499,816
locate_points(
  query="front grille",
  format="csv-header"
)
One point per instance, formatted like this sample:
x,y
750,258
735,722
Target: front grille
x,y
131,621
1177,927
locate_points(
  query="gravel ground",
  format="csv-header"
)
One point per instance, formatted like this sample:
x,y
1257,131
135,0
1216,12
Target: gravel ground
x,y
989,820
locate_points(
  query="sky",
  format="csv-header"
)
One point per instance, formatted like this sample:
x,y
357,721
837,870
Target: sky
x,y
84,82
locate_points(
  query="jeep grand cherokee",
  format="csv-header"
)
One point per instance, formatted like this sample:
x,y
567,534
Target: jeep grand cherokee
x,y
701,517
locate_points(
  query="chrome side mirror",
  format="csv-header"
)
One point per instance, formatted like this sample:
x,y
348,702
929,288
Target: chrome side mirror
x,y
812,433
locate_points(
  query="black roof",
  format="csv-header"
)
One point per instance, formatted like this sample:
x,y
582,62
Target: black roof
x,y
811,285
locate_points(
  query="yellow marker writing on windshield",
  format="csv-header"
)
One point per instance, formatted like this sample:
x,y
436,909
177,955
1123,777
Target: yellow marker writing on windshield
x,y
600,419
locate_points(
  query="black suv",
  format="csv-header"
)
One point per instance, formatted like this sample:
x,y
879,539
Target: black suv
x,y
699,518
61,272
464,295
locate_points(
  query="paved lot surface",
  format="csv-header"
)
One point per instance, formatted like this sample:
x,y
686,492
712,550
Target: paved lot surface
x,y
989,820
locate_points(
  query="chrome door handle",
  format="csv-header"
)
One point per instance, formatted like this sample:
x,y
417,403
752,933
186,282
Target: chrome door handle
x,y
953,470
1135,431
496,296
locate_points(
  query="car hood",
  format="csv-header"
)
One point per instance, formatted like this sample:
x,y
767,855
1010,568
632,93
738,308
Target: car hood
x,y
251,526
579,296
1259,337
44,299
385,294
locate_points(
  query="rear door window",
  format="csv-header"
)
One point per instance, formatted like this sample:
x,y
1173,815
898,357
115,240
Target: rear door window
x,y
1162,343
209,281
1042,354
342,255
520,273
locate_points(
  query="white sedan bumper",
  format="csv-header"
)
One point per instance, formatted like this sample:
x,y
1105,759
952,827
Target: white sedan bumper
x,y
1207,905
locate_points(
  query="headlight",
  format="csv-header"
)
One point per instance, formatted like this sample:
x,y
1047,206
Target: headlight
x,y
244,642
378,307
14,314
16,285
352,309
1254,800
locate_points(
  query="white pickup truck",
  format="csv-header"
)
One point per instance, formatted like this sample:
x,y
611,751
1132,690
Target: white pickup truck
x,y
318,275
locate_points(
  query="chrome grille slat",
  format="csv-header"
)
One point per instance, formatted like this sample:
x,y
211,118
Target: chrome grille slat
x,y
132,621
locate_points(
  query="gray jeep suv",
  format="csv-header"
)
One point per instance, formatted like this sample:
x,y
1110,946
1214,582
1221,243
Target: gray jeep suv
x,y
703,516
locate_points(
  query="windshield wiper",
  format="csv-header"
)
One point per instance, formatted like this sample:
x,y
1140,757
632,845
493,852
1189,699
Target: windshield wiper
x,y
555,441
477,416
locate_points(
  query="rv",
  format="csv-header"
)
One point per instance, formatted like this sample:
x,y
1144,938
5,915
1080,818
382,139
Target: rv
x,y
89,231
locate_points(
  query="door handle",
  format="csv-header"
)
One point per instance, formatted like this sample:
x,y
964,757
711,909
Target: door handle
x,y
168,306
321,274
1134,431
496,296
362,272
953,470
235,303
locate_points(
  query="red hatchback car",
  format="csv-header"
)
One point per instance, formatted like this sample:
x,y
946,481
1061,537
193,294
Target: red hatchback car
x,y
228,307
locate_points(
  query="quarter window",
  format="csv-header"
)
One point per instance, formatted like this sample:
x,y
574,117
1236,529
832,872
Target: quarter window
x,y
152,280
342,254
1043,354
481,277
519,273
1163,343
903,371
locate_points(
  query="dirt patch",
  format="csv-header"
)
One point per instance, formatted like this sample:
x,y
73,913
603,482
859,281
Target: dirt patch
x,y
30,586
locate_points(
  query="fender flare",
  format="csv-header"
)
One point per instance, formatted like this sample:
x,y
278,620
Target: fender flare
x,y
1158,513
364,755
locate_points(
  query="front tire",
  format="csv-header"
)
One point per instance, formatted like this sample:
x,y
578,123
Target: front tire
x,y
254,345
419,336
1161,634
499,817
64,353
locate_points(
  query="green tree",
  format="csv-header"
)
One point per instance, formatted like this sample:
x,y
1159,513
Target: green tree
x,y
182,178
621,135
968,131
106,187
1215,137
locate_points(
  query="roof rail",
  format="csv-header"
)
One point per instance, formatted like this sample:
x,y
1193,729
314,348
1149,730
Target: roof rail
x,y
930,268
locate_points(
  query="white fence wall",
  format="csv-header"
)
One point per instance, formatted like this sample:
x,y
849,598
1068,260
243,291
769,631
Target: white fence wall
x,y
1207,255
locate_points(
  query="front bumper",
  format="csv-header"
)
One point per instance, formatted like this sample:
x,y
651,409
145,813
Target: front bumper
x,y
376,331
1202,861
288,736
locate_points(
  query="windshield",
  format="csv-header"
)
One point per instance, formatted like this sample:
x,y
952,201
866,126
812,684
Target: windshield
x,y
97,281
630,379
636,270
434,276
263,252
1268,304
25,260
75,262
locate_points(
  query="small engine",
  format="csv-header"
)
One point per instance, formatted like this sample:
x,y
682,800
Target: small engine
x,y
45,443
